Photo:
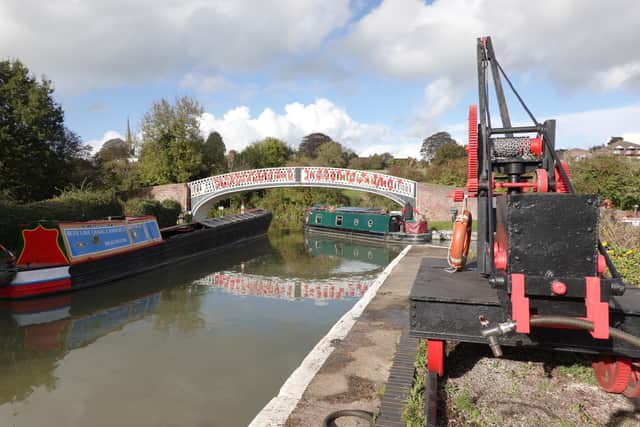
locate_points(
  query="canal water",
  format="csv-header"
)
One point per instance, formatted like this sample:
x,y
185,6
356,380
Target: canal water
x,y
207,343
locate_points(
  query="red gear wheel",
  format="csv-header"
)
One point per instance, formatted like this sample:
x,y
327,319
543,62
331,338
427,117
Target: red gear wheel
x,y
537,147
472,152
561,186
633,389
542,181
613,374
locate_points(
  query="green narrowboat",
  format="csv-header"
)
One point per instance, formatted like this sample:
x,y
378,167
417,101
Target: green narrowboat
x,y
366,223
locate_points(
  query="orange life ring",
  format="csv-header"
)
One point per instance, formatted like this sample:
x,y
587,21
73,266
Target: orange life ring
x,y
460,241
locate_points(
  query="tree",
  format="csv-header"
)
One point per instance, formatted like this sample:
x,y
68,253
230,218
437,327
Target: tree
x,y
376,162
37,153
171,142
115,149
117,171
231,159
448,151
449,165
213,158
310,143
331,154
431,144
268,153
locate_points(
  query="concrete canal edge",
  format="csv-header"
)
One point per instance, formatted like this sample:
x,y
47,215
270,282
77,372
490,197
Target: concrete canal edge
x,y
350,365
277,411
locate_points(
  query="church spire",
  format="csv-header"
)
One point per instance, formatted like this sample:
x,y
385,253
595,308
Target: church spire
x,y
128,138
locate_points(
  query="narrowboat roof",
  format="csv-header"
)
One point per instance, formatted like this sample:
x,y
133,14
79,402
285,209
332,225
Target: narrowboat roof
x,y
354,209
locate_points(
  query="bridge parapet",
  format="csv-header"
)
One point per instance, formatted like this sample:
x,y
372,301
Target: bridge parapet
x,y
242,179
203,191
358,179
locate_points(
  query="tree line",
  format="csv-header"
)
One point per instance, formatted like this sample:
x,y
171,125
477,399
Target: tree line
x,y
40,156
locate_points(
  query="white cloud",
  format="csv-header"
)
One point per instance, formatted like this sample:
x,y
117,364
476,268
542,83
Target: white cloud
x,y
97,43
590,128
621,75
96,144
632,137
205,83
570,41
440,96
239,128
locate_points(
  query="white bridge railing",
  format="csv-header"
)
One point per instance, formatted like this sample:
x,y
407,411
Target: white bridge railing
x,y
242,179
302,176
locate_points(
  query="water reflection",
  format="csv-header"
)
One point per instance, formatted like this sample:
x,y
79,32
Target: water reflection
x,y
36,333
239,322
287,289
362,256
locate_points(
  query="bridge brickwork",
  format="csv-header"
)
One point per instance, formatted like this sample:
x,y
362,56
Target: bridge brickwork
x,y
434,201
177,192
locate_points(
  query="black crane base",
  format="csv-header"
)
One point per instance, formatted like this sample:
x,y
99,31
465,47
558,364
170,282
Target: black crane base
x,y
453,307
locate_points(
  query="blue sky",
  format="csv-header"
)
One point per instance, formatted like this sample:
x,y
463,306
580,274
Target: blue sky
x,y
376,76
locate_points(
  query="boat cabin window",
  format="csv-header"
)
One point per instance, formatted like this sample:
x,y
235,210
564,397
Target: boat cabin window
x,y
370,223
394,223
339,220
318,219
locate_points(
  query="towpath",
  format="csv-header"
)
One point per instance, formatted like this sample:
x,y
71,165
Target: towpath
x,y
354,375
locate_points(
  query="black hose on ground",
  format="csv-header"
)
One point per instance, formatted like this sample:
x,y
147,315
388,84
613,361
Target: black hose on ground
x,y
329,421
582,324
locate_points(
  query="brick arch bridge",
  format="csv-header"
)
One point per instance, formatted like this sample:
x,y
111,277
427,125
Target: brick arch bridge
x,y
203,193
430,199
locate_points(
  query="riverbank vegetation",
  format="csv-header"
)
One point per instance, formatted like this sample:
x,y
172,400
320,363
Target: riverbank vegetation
x,y
74,205
79,205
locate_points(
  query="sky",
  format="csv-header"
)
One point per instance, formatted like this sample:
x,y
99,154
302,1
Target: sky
x,y
376,76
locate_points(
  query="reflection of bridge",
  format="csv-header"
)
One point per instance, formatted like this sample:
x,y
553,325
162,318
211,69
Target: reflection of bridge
x,y
291,289
204,192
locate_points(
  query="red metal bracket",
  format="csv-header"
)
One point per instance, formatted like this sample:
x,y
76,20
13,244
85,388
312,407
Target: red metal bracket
x,y
519,304
597,311
435,356
602,264
457,195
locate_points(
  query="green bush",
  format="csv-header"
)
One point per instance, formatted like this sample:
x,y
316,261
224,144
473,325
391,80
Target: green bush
x,y
166,212
612,177
623,245
70,206
627,262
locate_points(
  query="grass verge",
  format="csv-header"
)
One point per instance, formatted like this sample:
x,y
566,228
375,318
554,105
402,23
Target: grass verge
x,y
413,414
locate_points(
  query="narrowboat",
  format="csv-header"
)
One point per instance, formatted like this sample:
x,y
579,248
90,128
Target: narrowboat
x,y
57,257
367,224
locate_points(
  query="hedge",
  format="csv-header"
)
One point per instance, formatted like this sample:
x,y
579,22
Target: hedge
x,y
71,206
166,212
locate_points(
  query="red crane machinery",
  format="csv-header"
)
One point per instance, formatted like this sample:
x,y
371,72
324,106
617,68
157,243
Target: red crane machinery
x,y
542,277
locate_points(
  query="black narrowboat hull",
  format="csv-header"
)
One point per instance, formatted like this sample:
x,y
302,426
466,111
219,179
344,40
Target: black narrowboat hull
x,y
400,238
